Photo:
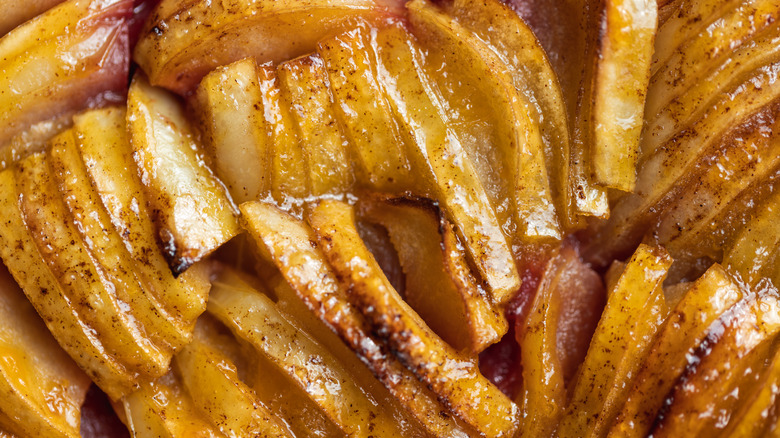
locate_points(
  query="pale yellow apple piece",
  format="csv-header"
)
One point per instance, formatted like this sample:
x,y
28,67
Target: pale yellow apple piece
x,y
190,206
232,120
305,81
287,243
454,378
436,151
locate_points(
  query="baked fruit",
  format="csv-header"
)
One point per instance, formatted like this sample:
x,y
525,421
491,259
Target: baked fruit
x,y
380,218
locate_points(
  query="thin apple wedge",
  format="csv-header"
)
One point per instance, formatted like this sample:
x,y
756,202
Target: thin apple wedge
x,y
34,369
753,418
364,112
192,210
438,154
635,309
457,383
305,81
179,46
512,117
230,108
20,253
687,325
73,56
20,11
105,149
255,319
622,75
287,242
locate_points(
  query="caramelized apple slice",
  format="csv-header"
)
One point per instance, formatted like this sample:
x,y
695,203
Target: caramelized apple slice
x,y
752,419
474,68
459,381
305,81
19,11
106,152
34,371
178,47
20,253
287,242
635,310
230,108
193,213
438,155
622,75
253,317
107,246
364,112
439,285
684,330
723,356
73,56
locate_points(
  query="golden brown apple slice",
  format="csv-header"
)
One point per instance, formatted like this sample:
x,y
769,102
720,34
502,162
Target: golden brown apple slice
x,y
454,378
474,68
77,338
106,152
439,285
193,213
364,112
107,247
621,79
229,104
34,371
305,81
182,43
73,56
19,11
253,317
635,309
287,242
438,154
683,331
729,347
752,419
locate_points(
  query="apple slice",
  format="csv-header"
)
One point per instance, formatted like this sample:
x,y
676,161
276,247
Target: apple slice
x,y
229,104
20,254
108,157
305,81
436,151
454,378
107,247
19,11
364,112
621,79
287,243
477,78
730,347
683,331
439,284
33,370
193,213
181,44
635,309
73,56
254,318
753,418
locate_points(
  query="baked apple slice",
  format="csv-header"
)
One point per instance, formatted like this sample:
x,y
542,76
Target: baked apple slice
x,y
18,11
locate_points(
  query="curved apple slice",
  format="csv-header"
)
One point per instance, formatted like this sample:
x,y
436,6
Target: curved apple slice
x,y
19,11
190,206
752,250
454,378
435,150
287,242
33,371
230,108
687,325
635,309
73,56
20,253
106,152
514,121
305,81
753,418
364,111
253,317
182,43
